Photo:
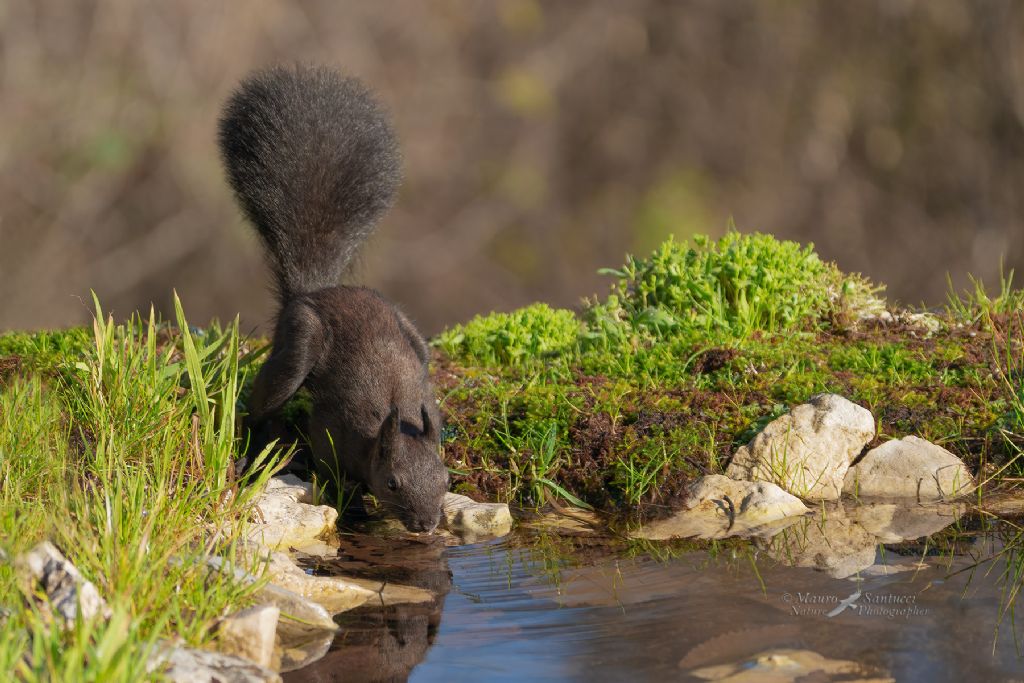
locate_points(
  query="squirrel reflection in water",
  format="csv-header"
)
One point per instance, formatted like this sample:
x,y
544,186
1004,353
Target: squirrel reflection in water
x,y
383,642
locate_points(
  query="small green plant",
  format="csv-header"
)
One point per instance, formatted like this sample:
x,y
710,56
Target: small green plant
x,y
975,305
1009,365
344,494
636,475
535,456
531,334
891,363
739,283
45,350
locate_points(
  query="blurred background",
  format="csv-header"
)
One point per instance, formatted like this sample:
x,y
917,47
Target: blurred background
x,y
542,140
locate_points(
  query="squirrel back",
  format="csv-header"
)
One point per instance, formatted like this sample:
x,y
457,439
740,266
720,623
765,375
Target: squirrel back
x,y
314,163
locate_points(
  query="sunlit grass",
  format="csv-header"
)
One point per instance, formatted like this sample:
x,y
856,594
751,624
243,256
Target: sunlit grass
x,y
122,455
977,305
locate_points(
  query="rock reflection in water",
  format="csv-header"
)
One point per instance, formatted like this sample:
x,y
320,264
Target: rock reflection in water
x,y
841,539
698,617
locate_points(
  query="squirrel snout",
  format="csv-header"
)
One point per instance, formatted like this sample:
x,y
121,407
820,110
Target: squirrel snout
x,y
423,524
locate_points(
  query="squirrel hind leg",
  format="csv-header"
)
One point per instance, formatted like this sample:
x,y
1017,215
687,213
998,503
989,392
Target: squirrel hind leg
x,y
299,343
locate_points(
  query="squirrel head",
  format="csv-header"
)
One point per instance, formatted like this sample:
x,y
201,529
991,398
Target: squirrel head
x,y
406,471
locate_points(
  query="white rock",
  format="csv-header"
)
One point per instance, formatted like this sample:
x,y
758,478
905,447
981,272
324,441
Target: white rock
x,y
189,665
927,322
465,515
335,593
292,487
305,628
284,517
807,451
250,633
717,507
388,593
44,569
910,467
299,615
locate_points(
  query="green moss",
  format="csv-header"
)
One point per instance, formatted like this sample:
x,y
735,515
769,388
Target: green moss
x,y
738,284
46,350
530,334
664,311
891,363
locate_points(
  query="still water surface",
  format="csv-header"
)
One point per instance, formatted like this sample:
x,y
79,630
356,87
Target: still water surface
x,y
545,606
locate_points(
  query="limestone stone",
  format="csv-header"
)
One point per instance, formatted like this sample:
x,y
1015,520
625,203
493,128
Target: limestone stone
x,y
388,593
910,467
284,515
300,616
807,451
291,486
250,633
717,507
465,515
45,569
337,594
190,665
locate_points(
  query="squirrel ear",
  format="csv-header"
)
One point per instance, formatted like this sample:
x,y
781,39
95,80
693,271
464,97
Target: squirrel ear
x,y
389,432
429,428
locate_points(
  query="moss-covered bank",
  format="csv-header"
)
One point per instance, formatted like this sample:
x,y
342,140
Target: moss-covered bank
x,y
618,405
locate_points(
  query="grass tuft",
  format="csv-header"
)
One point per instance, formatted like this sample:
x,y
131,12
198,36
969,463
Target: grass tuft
x,y
124,459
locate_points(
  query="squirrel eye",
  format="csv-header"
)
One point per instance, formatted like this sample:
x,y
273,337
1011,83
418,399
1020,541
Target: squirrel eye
x,y
392,484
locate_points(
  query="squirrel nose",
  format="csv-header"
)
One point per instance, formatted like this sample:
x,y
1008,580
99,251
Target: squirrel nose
x,y
422,526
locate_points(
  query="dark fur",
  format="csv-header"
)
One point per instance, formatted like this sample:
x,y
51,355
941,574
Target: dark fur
x,y
313,162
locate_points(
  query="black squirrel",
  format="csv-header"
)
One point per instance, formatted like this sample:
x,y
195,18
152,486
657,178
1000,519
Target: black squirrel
x,y
314,163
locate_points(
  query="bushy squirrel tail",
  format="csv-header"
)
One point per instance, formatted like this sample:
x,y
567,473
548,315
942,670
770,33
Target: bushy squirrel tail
x,y
313,162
